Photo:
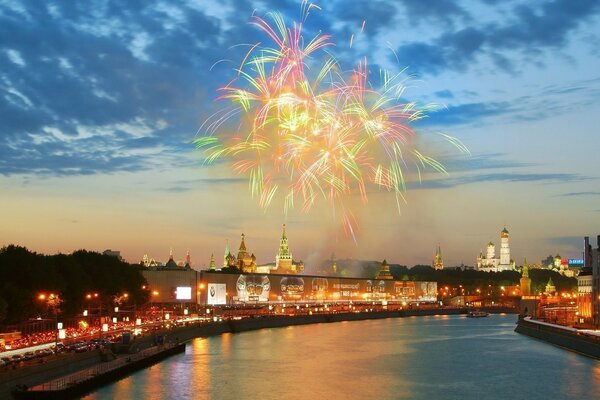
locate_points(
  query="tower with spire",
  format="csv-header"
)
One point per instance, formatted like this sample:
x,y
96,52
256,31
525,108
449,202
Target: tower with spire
x,y
226,255
283,259
438,263
213,265
245,261
525,281
188,261
171,262
384,271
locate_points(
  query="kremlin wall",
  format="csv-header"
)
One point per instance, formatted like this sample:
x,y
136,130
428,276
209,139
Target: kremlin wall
x,y
240,281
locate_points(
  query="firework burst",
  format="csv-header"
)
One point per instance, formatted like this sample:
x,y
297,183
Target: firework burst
x,y
309,132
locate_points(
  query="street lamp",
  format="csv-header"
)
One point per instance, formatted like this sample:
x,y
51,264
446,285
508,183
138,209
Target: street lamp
x,y
52,301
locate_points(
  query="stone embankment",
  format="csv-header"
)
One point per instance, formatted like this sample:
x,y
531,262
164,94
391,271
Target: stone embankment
x,y
561,336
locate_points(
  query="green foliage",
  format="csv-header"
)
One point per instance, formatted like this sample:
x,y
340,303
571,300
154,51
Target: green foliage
x,y
26,274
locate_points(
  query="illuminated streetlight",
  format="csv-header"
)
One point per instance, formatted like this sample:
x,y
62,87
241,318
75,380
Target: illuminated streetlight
x,y
52,301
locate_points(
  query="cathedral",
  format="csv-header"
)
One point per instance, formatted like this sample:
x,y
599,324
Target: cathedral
x,y
490,263
244,262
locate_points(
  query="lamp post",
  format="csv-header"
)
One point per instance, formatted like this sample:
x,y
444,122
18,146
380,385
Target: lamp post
x,y
52,301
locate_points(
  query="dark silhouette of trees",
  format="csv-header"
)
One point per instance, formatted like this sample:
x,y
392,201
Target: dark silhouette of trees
x,y
25,274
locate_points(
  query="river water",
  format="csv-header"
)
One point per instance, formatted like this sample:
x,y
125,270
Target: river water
x,y
441,357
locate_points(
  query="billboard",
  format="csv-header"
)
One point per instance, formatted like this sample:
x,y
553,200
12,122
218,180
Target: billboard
x,y
217,294
249,288
183,293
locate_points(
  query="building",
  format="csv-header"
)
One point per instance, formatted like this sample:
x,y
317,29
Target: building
x,y
384,271
550,289
113,253
525,281
438,263
151,263
491,263
584,296
592,256
179,289
244,261
561,266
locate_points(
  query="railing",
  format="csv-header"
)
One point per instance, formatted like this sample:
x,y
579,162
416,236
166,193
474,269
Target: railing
x,y
100,369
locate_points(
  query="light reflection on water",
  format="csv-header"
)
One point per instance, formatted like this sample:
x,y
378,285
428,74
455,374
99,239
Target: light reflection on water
x,y
411,358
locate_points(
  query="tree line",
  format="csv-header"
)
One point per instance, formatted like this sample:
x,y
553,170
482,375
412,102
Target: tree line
x,y
26,274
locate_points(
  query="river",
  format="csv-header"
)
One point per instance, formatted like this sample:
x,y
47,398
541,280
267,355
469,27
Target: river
x,y
440,357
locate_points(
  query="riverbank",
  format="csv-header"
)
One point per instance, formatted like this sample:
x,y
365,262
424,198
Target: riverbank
x,y
68,364
74,385
562,336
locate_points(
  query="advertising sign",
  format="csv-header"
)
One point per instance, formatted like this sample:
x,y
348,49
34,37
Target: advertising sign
x,y
217,294
183,293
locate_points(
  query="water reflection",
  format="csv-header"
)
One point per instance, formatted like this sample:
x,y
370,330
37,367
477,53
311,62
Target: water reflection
x,y
412,358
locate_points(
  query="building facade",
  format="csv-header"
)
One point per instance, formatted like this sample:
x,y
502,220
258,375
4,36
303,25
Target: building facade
x,y
584,296
594,259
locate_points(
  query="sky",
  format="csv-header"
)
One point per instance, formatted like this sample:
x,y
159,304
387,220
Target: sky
x,y
100,103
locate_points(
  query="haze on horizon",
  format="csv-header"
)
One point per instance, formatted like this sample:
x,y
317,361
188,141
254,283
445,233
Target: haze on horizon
x,y
100,104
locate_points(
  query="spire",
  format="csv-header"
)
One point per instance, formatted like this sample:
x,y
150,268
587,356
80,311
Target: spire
x,y
242,244
212,266
171,254
227,252
283,234
188,260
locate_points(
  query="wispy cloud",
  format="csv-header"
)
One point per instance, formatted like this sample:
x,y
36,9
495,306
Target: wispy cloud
x,y
575,194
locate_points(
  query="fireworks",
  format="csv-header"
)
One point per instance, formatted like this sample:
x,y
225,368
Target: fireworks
x,y
310,132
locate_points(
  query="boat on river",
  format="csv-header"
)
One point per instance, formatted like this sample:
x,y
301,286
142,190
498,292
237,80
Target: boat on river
x,y
477,314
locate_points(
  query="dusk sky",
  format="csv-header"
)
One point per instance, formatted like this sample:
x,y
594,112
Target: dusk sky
x,y
100,102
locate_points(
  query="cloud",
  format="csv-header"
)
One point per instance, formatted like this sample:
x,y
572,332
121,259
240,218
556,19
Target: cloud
x,y
529,30
575,242
574,194
187,185
496,177
468,113
439,11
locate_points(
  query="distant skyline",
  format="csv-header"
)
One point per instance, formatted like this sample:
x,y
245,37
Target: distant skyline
x,y
100,103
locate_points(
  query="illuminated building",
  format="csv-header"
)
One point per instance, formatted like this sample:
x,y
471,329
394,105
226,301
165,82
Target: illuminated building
x,y
384,272
438,263
245,262
561,266
525,282
584,296
592,257
212,265
550,288
283,259
284,263
490,262
151,263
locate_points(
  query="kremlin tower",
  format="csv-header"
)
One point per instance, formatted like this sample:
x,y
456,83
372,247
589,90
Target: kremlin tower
x,y
283,259
438,263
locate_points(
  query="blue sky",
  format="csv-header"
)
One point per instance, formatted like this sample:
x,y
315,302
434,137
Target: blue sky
x,y
100,102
